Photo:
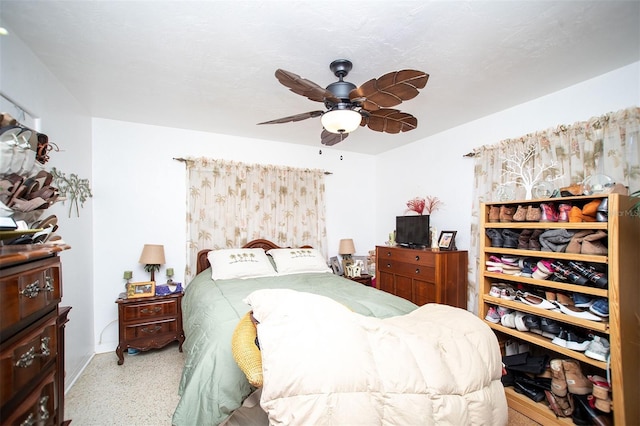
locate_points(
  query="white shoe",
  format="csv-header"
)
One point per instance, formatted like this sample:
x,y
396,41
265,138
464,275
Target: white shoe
x,y
577,312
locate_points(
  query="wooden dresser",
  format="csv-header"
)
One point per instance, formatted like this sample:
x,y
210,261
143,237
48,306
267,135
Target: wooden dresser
x,y
31,335
423,276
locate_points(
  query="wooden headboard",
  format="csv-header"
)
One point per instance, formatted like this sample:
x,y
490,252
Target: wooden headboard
x,y
202,262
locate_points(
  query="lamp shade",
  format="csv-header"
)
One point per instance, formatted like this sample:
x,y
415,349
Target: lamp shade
x,y
346,247
341,120
152,254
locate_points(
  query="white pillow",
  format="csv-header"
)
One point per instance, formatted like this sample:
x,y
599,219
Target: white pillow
x,y
298,261
240,263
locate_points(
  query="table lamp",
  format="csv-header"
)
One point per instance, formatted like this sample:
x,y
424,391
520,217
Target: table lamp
x,y
346,249
152,257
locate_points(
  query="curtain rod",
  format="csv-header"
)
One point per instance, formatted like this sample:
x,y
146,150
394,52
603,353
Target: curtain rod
x,y
184,160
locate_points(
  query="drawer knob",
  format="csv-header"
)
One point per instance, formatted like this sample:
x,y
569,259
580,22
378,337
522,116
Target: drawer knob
x,y
417,270
153,310
152,330
388,253
29,421
417,258
26,359
48,284
388,265
42,408
31,290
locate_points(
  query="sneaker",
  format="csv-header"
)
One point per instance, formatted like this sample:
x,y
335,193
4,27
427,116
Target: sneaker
x,y
532,322
492,316
576,342
600,307
520,326
560,339
495,291
582,300
550,328
509,320
598,349
508,293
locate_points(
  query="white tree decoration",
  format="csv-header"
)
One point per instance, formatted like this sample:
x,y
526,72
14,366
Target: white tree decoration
x,y
520,171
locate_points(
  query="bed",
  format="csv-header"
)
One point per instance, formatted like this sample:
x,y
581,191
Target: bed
x,y
213,387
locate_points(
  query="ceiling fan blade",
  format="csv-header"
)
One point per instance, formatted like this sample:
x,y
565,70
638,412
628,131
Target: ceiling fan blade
x,y
390,89
390,121
328,138
304,87
297,117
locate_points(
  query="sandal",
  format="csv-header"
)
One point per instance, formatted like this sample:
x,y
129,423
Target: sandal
x,y
8,187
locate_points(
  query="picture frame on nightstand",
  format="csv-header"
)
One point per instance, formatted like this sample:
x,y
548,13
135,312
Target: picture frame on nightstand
x,y
336,266
141,289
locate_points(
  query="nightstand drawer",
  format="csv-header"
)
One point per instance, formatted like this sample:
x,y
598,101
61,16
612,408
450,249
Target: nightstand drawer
x,y
151,310
26,358
151,329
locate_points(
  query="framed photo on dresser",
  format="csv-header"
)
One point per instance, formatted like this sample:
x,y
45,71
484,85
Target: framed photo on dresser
x,y
447,240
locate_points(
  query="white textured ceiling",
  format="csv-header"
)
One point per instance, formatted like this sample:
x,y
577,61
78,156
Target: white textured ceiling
x,y
209,65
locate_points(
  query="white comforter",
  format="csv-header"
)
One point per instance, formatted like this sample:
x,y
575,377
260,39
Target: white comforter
x,y
324,364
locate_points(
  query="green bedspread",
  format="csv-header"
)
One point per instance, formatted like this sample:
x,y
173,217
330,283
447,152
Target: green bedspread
x,y
212,385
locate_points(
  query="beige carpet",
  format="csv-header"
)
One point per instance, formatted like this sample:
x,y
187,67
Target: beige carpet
x,y
142,391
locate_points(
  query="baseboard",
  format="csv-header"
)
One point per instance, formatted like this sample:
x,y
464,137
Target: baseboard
x,y
71,378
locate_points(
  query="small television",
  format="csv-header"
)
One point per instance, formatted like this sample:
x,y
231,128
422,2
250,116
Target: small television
x,y
413,231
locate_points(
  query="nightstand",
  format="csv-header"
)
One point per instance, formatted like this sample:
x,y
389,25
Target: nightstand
x,y
149,323
363,279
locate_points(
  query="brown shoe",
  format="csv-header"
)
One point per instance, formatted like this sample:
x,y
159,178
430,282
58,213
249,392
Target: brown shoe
x,y
534,241
533,214
572,190
558,380
562,406
520,215
577,383
494,214
575,245
591,208
506,213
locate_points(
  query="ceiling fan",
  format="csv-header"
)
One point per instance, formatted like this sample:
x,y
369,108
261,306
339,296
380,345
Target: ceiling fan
x,y
349,106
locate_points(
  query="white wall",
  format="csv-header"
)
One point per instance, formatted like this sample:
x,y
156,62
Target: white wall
x,y
140,194
25,80
436,166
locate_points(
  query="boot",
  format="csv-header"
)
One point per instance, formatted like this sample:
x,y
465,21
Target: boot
x,y
592,244
520,214
549,213
558,381
495,236
494,214
534,241
577,383
575,215
590,209
575,245
563,212
602,213
533,214
510,238
506,213
523,239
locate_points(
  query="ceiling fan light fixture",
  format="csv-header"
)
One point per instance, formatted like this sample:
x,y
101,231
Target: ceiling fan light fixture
x,y
341,120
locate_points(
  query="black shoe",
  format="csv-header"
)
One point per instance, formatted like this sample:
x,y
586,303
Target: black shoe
x,y
571,276
585,414
533,392
550,328
597,278
510,238
495,236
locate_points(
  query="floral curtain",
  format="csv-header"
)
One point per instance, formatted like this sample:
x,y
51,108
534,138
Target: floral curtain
x,y
552,159
231,203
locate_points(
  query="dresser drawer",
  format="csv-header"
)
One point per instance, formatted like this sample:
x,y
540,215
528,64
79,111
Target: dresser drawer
x,y
24,358
415,271
40,407
141,311
27,292
156,328
420,257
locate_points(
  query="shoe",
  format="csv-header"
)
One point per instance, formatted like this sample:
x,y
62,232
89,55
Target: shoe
x,y
495,291
594,244
534,241
601,387
508,320
494,214
558,381
507,293
519,320
521,214
563,212
575,215
530,391
564,299
577,383
536,301
572,190
599,349
586,414
492,316
561,406
597,278
590,209
495,236
527,266
577,312
549,327
502,311
582,300
572,277
533,214
549,213
506,213
543,270
576,342
575,245
510,238
600,307
560,339
523,239
602,212
532,322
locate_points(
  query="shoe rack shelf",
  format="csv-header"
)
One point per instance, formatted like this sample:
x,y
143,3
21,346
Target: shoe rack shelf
x,y
622,263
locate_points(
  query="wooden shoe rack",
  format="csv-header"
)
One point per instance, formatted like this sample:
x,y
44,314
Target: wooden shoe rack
x,y
623,326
